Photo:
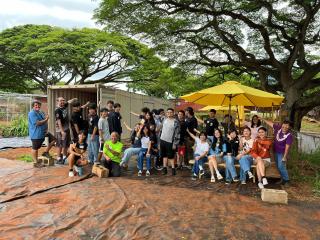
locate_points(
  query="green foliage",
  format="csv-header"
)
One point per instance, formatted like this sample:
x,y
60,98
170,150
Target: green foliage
x,y
305,167
49,55
18,127
25,158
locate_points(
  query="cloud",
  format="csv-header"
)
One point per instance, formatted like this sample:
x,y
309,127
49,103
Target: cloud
x,y
69,13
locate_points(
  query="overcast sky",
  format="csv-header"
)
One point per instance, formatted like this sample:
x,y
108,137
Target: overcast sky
x,y
62,13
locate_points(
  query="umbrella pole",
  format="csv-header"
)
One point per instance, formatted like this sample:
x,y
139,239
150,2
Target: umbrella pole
x,y
229,122
238,117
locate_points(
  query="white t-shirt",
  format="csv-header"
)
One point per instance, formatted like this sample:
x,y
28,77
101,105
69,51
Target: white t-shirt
x,y
246,144
145,142
201,147
103,125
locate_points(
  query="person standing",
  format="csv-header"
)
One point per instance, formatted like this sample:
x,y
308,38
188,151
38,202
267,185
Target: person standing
x,y
115,120
181,154
210,124
191,125
62,129
283,140
93,134
77,122
169,140
104,132
38,126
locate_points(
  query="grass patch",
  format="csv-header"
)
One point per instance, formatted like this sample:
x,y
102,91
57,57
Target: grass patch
x,y
25,158
305,167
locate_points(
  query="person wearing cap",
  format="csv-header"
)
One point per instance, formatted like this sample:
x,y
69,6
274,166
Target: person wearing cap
x,y
38,130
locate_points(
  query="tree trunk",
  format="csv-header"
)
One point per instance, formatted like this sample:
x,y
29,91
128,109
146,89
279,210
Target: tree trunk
x,y
294,114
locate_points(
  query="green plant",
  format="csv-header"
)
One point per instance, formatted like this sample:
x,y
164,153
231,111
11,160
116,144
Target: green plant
x,y
18,127
25,158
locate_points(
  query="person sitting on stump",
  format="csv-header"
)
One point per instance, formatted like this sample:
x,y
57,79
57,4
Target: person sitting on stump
x,y
76,153
112,151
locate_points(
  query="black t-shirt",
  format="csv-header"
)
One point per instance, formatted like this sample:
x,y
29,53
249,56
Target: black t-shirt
x,y
135,141
76,118
82,146
191,124
62,115
183,131
114,120
93,122
210,125
232,146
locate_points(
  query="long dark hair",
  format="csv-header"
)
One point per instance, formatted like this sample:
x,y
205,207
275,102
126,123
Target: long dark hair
x,y
216,140
258,123
142,131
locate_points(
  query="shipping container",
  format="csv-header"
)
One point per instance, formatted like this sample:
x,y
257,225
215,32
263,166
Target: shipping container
x,y
98,93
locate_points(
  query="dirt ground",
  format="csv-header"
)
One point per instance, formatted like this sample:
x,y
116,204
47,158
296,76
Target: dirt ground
x,y
297,191
46,204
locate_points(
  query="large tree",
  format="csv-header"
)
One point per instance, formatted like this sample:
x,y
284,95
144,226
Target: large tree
x,y
48,55
276,40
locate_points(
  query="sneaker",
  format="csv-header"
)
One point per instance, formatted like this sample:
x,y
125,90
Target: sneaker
x,y
147,173
260,185
201,173
159,168
164,171
65,161
228,182
285,183
71,174
46,154
264,181
139,173
188,167
212,179
60,162
250,175
235,179
194,177
219,176
173,172
243,182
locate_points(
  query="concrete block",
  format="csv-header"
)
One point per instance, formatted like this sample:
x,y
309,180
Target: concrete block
x,y
100,171
46,161
274,196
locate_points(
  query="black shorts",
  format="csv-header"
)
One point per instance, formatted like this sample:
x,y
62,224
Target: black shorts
x,y
37,143
63,143
50,137
166,150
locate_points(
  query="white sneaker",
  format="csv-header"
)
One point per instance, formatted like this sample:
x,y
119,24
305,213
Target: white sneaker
x,y
243,182
71,174
260,185
147,173
264,181
212,179
219,176
140,173
250,174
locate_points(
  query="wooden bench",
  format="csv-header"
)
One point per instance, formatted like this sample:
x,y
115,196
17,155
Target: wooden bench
x,y
271,171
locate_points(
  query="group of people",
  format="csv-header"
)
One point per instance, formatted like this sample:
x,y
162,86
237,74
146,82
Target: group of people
x,y
168,138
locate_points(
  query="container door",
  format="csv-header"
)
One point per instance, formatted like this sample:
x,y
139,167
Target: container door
x,y
105,95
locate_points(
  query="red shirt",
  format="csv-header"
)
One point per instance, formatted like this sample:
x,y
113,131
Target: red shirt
x,y
261,148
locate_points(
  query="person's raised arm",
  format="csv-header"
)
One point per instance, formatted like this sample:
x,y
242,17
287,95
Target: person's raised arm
x,y
191,135
127,127
196,130
72,100
135,114
268,122
86,105
199,120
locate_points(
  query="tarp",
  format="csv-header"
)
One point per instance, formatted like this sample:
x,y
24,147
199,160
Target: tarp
x,y
131,207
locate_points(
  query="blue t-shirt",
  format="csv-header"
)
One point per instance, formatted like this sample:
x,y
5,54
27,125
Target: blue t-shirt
x,y
36,132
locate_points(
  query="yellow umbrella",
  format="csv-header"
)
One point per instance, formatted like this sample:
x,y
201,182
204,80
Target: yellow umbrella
x,y
234,93
221,108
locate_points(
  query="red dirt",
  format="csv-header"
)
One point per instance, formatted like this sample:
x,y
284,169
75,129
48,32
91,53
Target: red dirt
x,y
46,204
